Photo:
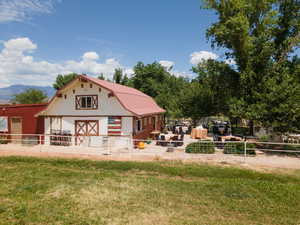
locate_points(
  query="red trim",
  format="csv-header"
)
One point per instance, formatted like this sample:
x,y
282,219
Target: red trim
x,y
23,105
114,132
112,127
87,126
94,102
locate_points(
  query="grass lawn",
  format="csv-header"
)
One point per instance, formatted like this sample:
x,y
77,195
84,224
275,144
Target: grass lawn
x,y
57,191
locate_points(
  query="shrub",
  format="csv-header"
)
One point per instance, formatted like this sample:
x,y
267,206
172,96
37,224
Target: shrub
x,y
264,138
206,147
241,131
3,140
238,148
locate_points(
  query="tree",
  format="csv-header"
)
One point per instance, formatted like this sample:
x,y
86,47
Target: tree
x,y
118,76
155,81
30,96
62,80
149,78
223,82
101,76
197,101
261,35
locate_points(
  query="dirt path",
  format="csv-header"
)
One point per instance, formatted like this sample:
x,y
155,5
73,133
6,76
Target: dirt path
x,y
259,162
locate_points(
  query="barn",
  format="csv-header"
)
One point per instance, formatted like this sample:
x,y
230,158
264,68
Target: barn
x,y
87,107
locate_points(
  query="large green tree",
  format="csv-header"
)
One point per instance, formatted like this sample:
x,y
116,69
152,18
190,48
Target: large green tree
x,y
119,77
30,96
222,81
62,80
157,82
261,35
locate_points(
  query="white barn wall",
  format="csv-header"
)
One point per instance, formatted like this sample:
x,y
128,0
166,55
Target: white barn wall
x,y
47,126
106,105
127,123
68,124
66,108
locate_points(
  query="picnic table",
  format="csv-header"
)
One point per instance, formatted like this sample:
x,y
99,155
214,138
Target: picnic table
x,y
168,136
230,137
154,134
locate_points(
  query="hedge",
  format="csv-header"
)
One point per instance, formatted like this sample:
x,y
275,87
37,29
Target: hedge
x,y
3,140
201,147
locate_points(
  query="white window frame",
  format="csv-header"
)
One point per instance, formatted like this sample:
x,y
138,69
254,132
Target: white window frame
x,y
5,125
90,102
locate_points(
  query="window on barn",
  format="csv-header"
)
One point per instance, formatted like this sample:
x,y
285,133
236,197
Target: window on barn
x,y
3,124
86,102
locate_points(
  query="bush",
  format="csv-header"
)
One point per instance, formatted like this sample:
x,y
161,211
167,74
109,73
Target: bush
x,y
2,140
238,148
201,147
280,149
265,138
240,131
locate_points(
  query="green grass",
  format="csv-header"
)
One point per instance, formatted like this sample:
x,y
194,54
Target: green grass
x,y
56,191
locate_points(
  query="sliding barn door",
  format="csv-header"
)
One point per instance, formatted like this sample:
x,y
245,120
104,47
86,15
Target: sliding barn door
x,y
84,129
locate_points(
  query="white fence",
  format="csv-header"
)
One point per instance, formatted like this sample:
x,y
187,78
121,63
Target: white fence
x,y
127,142
124,141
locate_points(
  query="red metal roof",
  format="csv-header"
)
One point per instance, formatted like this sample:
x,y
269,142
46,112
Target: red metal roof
x,y
22,105
132,99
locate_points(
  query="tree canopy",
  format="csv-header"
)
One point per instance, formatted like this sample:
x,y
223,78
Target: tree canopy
x,y
261,36
62,80
157,82
30,96
119,77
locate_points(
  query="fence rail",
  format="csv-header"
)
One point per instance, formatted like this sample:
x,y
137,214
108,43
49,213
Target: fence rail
x,y
126,141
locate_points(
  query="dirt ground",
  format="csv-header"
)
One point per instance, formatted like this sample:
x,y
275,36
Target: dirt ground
x,y
260,162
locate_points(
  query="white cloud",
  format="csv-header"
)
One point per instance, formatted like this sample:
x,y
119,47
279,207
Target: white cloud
x,y
129,72
167,64
17,66
230,61
198,57
19,45
90,56
20,10
181,74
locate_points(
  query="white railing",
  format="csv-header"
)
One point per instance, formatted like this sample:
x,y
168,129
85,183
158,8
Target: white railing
x,y
127,142
66,140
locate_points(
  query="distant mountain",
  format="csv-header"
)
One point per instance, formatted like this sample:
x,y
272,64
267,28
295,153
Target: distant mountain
x,y
7,93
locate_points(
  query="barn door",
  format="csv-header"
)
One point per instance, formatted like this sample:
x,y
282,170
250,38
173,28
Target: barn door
x,y
16,128
84,129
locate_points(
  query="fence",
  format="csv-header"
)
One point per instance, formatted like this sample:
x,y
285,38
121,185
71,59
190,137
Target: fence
x,y
102,141
242,148
109,143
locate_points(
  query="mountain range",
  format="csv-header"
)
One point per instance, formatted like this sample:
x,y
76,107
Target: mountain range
x,y
7,93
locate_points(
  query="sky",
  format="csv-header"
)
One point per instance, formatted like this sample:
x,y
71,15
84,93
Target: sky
x,y
42,38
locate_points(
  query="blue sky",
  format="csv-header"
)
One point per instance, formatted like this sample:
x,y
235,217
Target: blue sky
x,y
40,38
